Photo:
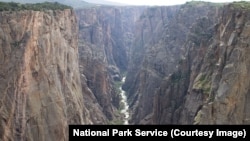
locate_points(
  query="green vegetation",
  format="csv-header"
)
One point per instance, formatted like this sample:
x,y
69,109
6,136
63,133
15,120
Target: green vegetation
x,y
237,5
200,3
12,6
241,5
196,2
72,3
202,83
121,107
116,122
117,85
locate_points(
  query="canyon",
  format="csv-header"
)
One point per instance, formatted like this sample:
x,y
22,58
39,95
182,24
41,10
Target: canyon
x,y
183,64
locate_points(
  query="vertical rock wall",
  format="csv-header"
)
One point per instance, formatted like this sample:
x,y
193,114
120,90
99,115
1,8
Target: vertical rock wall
x,y
40,85
105,38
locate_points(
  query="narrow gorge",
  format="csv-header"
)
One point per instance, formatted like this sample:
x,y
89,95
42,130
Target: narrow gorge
x,y
112,65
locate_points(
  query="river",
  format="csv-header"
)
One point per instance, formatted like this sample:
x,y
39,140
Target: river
x,y
125,108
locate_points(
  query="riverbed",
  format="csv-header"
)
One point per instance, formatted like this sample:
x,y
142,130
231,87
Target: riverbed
x,y
125,108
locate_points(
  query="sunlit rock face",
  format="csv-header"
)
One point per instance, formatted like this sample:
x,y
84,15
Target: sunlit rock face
x,y
40,85
186,64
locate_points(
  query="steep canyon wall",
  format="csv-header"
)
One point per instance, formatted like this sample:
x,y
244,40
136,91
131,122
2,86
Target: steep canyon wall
x,y
185,64
39,73
192,66
105,38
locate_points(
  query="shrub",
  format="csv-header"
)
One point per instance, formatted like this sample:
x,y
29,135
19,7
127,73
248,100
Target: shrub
x,y
241,5
12,6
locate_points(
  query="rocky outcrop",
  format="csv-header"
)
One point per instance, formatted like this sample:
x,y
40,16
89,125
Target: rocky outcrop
x,y
195,71
212,84
223,77
174,89
40,85
105,37
161,35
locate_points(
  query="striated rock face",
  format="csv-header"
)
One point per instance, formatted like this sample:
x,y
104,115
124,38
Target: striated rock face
x,y
186,64
196,70
212,86
40,85
222,79
161,34
174,89
105,37
147,63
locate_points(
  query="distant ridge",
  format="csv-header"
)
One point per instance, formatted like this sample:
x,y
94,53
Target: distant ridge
x,y
105,2
73,3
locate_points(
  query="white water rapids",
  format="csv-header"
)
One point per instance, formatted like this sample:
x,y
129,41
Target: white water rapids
x,y
125,108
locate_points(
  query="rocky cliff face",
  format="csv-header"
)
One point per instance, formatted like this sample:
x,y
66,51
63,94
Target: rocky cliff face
x,y
211,85
217,85
168,55
185,64
174,89
222,79
105,37
40,81
195,71
161,34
